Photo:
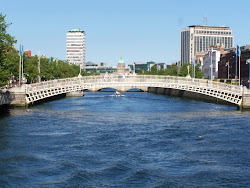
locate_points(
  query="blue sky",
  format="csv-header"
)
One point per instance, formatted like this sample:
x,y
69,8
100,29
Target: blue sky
x,y
137,30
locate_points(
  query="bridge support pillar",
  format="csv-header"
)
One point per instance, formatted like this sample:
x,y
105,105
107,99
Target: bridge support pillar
x,y
18,96
75,94
246,101
122,89
93,89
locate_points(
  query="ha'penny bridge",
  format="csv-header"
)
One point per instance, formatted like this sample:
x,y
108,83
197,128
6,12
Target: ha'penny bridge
x,y
200,89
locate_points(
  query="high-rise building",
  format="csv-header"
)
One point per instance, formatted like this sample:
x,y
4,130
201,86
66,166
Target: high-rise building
x,y
76,47
198,39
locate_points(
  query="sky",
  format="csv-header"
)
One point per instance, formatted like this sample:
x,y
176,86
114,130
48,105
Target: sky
x,y
136,30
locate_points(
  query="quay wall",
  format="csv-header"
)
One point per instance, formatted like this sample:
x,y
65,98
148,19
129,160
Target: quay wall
x,y
186,94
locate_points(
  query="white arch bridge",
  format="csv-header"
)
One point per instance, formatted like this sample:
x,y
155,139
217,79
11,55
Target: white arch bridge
x,y
149,83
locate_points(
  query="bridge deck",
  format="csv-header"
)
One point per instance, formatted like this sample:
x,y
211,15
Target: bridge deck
x,y
229,93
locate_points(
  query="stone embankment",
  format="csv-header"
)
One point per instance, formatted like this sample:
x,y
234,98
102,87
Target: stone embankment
x,y
197,96
12,97
186,94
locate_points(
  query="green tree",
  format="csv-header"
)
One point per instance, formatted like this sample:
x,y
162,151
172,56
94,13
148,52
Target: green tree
x,y
172,71
153,70
6,46
11,63
198,72
31,68
184,70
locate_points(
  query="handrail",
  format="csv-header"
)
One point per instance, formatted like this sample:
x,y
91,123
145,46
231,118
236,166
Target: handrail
x,y
132,79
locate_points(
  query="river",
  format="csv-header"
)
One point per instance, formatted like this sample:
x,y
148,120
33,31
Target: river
x,y
137,140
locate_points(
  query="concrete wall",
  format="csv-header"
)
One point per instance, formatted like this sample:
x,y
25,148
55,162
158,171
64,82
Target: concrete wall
x,y
187,94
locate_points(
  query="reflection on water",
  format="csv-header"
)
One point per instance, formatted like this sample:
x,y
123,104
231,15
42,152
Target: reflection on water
x,y
138,140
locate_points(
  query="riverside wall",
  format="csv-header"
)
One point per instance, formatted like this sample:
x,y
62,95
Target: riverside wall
x,y
186,94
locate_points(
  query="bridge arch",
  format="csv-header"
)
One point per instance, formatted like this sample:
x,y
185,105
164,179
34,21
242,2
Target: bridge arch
x,y
135,90
220,91
107,88
123,88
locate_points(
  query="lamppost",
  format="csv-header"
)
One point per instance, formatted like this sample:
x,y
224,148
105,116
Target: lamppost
x,y
39,67
193,61
248,62
211,63
227,64
188,75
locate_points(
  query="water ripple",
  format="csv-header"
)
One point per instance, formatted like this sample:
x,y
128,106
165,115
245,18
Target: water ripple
x,y
140,140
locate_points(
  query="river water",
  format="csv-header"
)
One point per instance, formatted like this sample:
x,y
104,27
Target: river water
x,y
137,140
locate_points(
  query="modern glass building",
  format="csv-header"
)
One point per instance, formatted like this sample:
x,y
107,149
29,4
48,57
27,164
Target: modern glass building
x,y
199,39
137,67
76,40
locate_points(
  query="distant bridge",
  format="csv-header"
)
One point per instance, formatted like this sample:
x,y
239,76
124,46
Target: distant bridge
x,y
207,88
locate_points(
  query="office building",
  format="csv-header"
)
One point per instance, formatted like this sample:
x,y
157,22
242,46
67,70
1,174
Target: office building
x,y
101,68
197,40
228,67
76,47
210,64
137,67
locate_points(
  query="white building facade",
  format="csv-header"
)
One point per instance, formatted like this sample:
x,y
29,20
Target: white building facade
x,y
211,64
198,39
76,41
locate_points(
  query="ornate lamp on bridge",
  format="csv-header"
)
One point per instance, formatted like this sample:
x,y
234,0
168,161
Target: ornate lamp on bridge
x,y
193,62
248,62
227,64
188,75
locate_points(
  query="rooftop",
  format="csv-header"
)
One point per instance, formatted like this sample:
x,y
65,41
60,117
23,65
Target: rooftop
x,y
76,30
209,26
121,60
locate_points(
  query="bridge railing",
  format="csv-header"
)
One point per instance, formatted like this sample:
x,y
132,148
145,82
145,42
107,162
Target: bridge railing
x,y
133,79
